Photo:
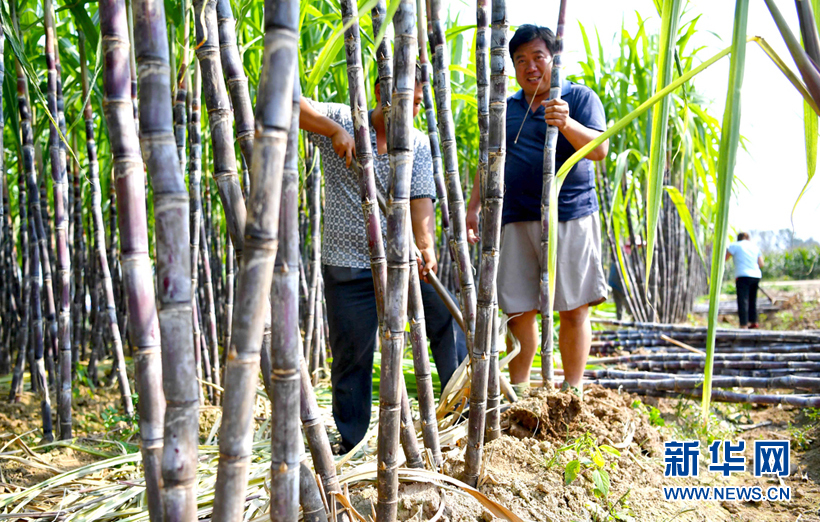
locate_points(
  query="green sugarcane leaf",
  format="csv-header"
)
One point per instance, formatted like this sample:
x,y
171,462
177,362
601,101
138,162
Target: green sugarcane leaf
x,y
810,131
660,118
334,44
463,70
85,24
729,139
616,228
457,30
571,471
683,211
787,72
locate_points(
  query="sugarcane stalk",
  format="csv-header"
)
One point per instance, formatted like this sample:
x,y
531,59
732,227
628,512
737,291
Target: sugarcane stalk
x,y
801,401
397,255
721,364
139,288
4,229
686,383
813,357
181,96
492,192
16,389
316,348
273,122
384,62
455,197
314,195
27,178
78,305
313,508
549,168
236,80
286,443
220,120
421,363
407,431
492,430
175,312
99,242
230,275
38,371
316,436
60,189
210,312
432,126
38,233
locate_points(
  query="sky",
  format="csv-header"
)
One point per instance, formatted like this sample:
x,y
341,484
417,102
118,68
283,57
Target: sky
x,y
773,170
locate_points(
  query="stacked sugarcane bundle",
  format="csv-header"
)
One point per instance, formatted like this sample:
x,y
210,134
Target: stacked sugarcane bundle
x,y
654,335
669,360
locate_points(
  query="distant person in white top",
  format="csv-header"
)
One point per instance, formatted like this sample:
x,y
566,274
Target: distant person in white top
x,y
748,262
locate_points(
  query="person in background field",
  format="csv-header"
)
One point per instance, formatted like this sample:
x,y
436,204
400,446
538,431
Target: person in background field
x,y
580,280
351,299
748,262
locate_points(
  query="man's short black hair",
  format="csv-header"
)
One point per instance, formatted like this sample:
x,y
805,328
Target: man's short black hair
x,y
418,77
742,235
529,32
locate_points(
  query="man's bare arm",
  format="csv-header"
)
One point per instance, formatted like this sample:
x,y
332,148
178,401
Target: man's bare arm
x,y
311,121
423,217
556,112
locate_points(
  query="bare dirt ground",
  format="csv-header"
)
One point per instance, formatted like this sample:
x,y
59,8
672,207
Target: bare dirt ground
x,y
525,469
519,474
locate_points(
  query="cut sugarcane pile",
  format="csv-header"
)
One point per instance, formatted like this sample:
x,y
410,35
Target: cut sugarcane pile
x,y
752,366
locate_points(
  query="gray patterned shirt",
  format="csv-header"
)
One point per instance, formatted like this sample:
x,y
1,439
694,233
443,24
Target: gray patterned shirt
x,y
344,241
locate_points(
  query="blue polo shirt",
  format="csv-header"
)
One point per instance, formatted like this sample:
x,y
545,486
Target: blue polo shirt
x,y
523,170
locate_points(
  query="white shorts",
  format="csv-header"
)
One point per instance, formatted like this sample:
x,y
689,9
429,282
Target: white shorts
x,y
580,276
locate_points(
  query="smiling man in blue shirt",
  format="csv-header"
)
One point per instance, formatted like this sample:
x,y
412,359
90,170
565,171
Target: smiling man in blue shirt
x,y
580,282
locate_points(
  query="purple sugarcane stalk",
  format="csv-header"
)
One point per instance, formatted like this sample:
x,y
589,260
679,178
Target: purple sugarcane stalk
x,y
136,265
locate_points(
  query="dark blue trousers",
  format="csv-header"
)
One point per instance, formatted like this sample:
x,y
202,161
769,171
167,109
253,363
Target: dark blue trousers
x,y
353,324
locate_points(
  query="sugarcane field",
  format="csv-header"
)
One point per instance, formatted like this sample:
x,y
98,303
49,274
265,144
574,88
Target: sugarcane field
x,y
405,260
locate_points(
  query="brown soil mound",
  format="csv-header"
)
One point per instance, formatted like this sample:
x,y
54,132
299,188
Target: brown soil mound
x,y
605,414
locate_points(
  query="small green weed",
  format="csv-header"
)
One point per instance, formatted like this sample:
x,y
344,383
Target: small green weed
x,y
654,414
589,462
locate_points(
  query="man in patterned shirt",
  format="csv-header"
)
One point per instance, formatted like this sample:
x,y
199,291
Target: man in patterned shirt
x,y
351,300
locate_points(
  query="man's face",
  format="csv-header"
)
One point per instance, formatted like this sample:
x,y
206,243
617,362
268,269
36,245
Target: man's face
x,y
533,70
418,97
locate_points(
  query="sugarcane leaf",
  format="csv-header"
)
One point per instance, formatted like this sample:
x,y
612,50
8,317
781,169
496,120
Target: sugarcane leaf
x,y
463,70
787,72
457,30
571,471
808,70
810,132
85,24
660,117
392,7
729,138
334,44
685,216
12,116
616,228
